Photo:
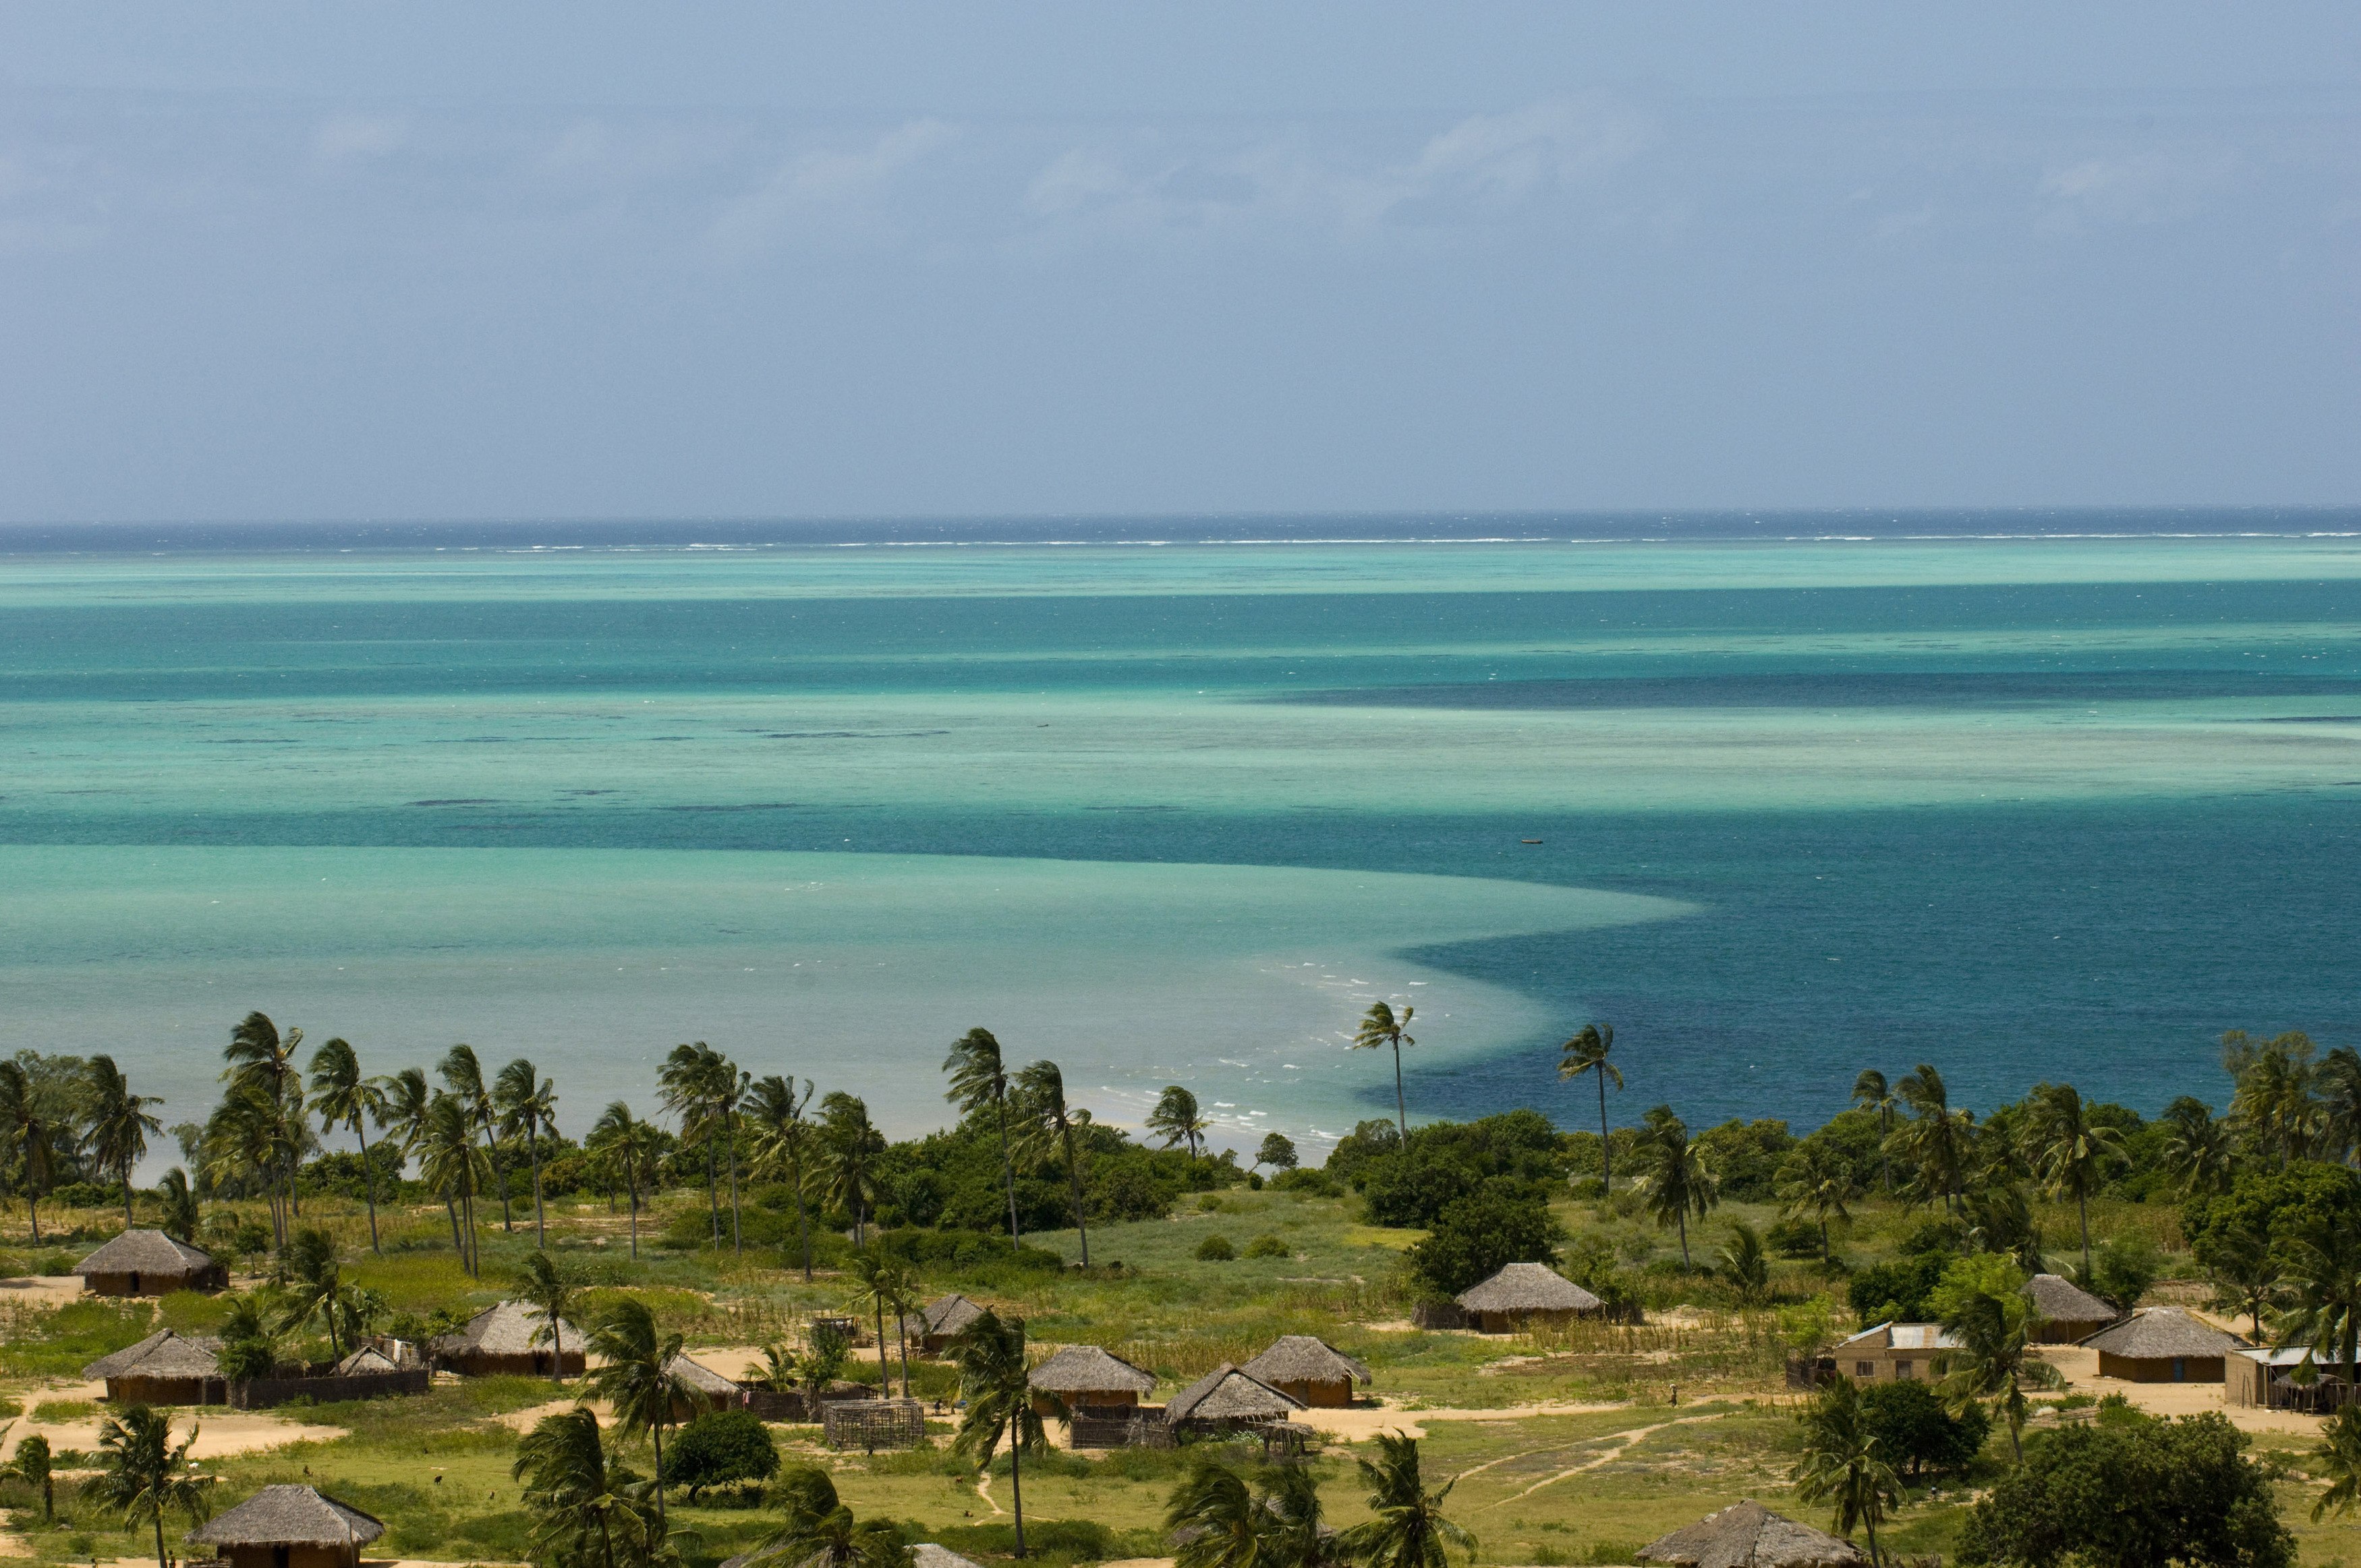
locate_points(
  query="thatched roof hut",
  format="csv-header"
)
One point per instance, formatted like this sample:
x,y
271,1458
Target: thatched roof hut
x,y
1524,1292
714,1392
2068,1311
365,1361
932,1554
149,1263
2163,1345
1088,1374
938,1320
500,1340
1229,1397
165,1368
290,1527
1306,1368
1748,1535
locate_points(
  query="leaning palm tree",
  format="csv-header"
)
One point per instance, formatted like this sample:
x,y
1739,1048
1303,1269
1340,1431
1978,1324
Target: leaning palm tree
x,y
2070,1152
636,1376
817,1530
528,1108
1871,1092
878,1283
2198,1151
1217,1519
1048,1125
261,1060
1675,1178
580,1501
850,1143
550,1286
2274,1109
451,1163
2338,1455
998,1399
1745,1263
1178,1118
1586,1053
180,1216
405,1117
242,1140
2247,1275
32,1137
1817,1180
117,1122
1935,1142
32,1466
1409,1529
1983,1304
2339,1078
146,1475
782,1138
980,1078
463,1076
1842,1466
630,1148
1382,1026
701,1086
342,1097
903,1298
2324,1284
314,1286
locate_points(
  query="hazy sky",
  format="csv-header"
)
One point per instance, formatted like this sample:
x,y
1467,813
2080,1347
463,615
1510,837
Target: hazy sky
x,y
577,259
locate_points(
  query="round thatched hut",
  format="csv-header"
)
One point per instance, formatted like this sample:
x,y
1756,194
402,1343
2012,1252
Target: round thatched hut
x,y
1524,1294
509,1339
933,1328
711,1390
1748,1535
290,1527
1309,1369
2163,1345
2068,1311
165,1368
1226,1398
149,1263
1084,1376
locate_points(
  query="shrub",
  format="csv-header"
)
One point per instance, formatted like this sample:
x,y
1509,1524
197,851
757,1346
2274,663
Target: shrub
x,y
1898,1290
1268,1245
1215,1248
721,1448
1304,1179
1447,1161
1793,1238
1914,1428
1474,1237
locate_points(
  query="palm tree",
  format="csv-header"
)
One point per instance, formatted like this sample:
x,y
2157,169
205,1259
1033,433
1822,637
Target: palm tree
x,y
1674,1176
2070,1152
146,1474
979,1078
407,1100
548,1285
1382,1026
2247,1276
1219,1522
817,1530
1177,1117
342,1097
1981,1301
180,1216
2340,1103
1409,1529
1743,1264
636,1376
262,1061
463,1075
116,1122
1586,1053
2198,1149
1841,1466
1935,1140
1871,1092
1817,1180
998,1400
528,1108
2274,1108
314,1286
32,1146
903,1298
577,1497
877,1282
32,1466
780,1135
629,1147
1049,1124
849,1145
451,1163
2338,1454
701,1087
2324,1284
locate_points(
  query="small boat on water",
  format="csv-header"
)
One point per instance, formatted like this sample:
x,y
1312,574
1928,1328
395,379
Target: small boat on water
x,y
1528,840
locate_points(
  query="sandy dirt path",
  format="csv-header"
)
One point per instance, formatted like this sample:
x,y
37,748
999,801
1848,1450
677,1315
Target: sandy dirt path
x,y
1359,1423
1622,1442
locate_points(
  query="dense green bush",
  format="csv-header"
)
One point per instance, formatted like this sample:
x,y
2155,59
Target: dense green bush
x,y
2307,1197
1898,1290
1445,1162
721,1448
1474,1238
1306,1178
1215,1248
1917,1432
1268,1245
1745,1157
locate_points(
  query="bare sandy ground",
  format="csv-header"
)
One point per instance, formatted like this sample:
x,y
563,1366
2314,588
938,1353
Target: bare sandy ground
x,y
42,1290
523,1421
2080,1365
1359,1423
220,1432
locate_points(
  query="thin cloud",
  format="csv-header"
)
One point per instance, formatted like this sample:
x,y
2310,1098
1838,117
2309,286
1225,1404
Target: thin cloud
x,y
844,186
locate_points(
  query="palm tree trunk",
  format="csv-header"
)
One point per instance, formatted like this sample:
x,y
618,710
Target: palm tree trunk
x,y
1606,1150
803,1218
656,1433
606,1538
33,1206
1074,1174
1008,1174
1402,1106
712,1192
634,1185
1016,1482
451,1207
1875,1556
902,1333
1684,1238
499,1173
2082,1206
737,1233
1824,1240
885,1374
368,1184
126,1194
159,1517
533,1149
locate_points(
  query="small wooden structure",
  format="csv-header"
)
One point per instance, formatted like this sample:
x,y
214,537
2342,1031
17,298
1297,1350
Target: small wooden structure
x,y
2281,1380
939,1319
711,1390
290,1527
1894,1352
1119,1426
502,1340
165,1368
149,1263
1086,1375
1748,1535
845,1326
1308,1369
2163,1345
871,1424
2068,1312
1225,1400
1522,1295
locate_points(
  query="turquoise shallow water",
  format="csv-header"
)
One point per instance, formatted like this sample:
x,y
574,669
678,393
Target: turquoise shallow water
x,y
1176,812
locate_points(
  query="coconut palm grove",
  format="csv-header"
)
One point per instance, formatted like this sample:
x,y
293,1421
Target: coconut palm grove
x,y
395,1308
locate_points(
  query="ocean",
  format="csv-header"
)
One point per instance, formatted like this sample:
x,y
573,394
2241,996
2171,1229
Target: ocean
x,y
1171,801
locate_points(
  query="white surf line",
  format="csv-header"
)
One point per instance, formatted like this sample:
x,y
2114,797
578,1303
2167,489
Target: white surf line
x,y
1623,1442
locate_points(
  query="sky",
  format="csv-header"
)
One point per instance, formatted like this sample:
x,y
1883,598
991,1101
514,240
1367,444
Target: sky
x,y
452,262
